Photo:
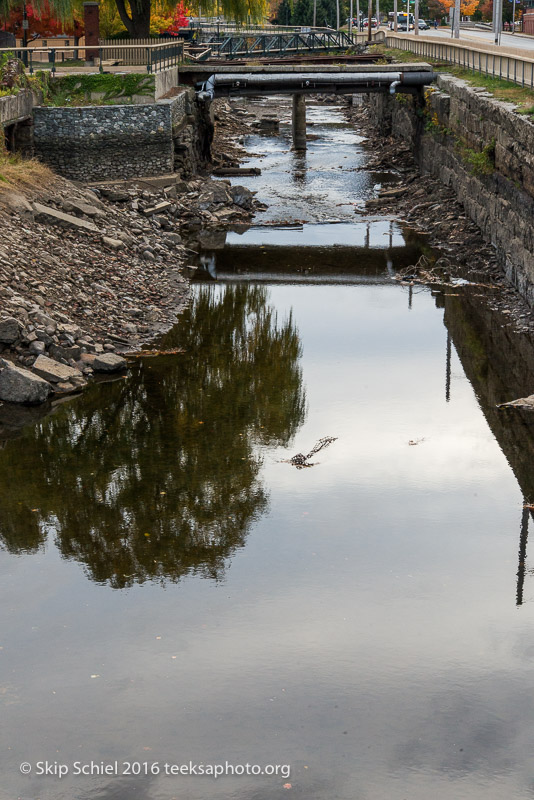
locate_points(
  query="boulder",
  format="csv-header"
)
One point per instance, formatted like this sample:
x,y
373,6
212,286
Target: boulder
x,y
53,371
16,203
109,362
242,196
60,351
37,348
19,385
114,244
9,330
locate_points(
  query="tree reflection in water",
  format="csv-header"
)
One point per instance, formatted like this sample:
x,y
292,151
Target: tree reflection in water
x,y
157,476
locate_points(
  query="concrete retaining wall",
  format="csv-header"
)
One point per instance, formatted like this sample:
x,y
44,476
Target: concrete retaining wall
x,y
17,107
455,122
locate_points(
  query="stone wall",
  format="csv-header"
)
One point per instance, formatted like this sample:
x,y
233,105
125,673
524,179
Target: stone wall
x,y
93,143
481,149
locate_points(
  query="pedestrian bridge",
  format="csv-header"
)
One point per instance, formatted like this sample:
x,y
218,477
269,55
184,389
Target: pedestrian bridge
x,y
267,80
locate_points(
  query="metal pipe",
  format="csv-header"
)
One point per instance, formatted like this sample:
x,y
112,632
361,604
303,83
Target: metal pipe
x,y
393,86
309,82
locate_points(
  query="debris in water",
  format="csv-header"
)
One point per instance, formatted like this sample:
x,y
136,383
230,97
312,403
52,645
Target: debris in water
x,y
300,460
152,353
413,442
521,402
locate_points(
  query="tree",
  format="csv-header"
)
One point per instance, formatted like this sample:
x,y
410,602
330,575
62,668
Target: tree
x,y
467,7
135,15
158,476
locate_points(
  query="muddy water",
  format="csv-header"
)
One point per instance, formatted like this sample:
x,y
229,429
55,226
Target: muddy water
x,y
173,591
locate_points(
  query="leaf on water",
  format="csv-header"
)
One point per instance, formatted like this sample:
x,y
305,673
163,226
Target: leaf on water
x,y
287,786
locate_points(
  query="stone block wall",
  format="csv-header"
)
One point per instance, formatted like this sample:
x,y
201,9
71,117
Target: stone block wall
x,y
115,142
455,121
101,142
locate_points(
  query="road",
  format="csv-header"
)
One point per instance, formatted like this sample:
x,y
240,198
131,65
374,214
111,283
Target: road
x,y
507,39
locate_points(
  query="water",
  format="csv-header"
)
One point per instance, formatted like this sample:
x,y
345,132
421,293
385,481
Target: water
x,y
173,590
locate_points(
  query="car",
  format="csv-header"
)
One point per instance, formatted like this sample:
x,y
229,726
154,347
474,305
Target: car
x,y
374,23
423,26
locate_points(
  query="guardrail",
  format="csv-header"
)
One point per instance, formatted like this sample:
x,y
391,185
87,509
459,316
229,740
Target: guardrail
x,y
153,57
488,59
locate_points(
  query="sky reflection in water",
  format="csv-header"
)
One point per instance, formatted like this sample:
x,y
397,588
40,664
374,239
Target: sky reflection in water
x,y
356,620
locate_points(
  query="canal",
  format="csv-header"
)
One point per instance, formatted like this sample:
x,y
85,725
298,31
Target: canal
x,y
174,591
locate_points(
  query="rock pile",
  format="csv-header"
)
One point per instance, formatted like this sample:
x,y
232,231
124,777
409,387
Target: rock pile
x,y
90,272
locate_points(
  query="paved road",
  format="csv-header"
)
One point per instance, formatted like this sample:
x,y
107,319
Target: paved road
x,y
507,39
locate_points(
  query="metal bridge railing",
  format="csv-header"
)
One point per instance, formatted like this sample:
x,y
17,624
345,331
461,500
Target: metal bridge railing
x,y
318,39
153,57
487,59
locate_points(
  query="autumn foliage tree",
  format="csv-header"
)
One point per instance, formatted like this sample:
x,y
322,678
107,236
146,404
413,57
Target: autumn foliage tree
x,y
136,15
467,7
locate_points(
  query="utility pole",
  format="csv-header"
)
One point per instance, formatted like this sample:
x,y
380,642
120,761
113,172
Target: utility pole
x,y
358,14
369,18
416,17
497,23
351,11
457,13
314,13
395,16
337,15
377,14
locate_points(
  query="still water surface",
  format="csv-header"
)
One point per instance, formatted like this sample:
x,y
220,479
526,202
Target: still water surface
x,y
172,590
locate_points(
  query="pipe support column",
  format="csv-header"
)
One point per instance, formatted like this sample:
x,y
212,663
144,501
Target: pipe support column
x,y
299,122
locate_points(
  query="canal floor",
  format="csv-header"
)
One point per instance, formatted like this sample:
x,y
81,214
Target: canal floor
x,y
174,591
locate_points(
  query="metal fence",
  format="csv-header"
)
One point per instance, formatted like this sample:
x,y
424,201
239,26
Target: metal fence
x,y
152,57
136,52
488,59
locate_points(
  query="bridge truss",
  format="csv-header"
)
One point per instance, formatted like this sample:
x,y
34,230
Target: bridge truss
x,y
281,44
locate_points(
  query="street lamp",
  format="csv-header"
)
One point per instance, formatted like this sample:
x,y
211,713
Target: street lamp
x,y
25,26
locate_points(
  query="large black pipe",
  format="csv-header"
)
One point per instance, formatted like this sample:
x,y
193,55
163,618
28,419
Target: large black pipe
x,y
220,85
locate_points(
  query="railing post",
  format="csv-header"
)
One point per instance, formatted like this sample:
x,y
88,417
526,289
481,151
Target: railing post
x,y
148,59
100,58
53,54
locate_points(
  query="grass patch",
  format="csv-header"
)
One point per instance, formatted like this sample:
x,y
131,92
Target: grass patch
x,y
21,173
80,90
480,162
508,91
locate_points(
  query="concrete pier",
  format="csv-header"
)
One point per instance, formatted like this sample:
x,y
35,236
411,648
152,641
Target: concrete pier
x,y
299,122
